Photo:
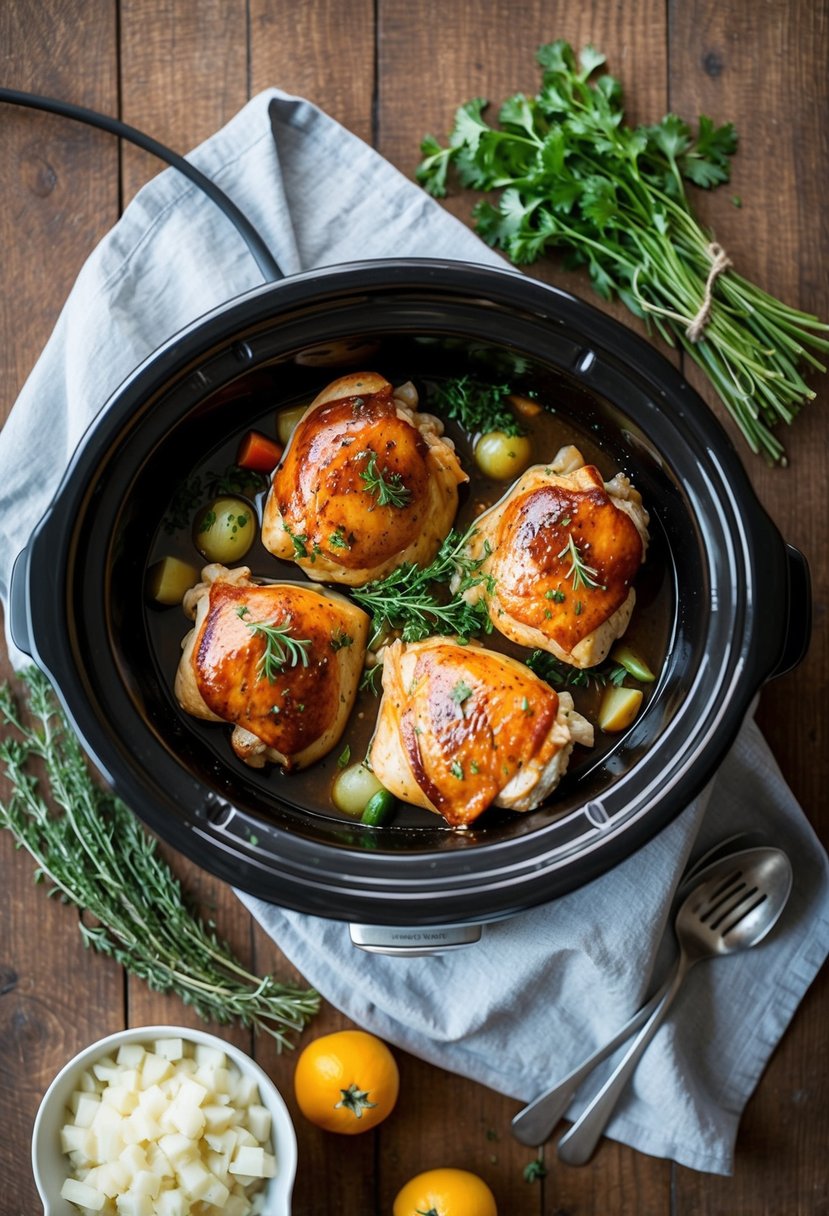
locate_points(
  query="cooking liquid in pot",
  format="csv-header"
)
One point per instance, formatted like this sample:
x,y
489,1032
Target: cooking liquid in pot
x,y
310,790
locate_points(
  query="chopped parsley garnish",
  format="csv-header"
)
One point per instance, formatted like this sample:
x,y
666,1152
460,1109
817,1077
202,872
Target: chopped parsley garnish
x,y
298,540
344,756
460,693
337,539
457,771
339,640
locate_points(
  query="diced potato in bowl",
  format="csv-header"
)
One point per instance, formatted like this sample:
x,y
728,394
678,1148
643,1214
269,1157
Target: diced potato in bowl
x,y
163,1121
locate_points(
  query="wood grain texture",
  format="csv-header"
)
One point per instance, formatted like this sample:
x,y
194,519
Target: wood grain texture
x,y
391,71
323,51
456,51
765,67
60,194
60,189
183,75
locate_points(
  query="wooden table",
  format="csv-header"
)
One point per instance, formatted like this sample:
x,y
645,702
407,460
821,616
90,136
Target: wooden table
x,y
390,70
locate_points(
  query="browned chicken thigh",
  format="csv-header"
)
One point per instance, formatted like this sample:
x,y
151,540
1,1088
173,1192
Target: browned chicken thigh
x,y
366,483
280,662
559,554
461,727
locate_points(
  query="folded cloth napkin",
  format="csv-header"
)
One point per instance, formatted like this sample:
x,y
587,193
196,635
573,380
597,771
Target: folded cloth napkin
x,y
525,1005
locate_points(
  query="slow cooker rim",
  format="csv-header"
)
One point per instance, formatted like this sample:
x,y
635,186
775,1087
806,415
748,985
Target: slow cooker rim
x,y
180,350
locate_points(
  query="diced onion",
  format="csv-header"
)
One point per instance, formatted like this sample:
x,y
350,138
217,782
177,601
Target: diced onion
x,y
167,1129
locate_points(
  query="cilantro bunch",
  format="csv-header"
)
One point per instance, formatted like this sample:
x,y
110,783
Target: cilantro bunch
x,y
573,176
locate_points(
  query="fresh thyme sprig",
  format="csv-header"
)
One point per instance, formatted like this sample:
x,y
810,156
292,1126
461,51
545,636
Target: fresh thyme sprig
x,y
98,857
561,675
281,647
581,574
405,600
573,176
370,679
477,407
387,488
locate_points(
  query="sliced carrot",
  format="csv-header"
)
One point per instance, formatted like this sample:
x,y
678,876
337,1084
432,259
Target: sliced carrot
x,y
525,406
257,451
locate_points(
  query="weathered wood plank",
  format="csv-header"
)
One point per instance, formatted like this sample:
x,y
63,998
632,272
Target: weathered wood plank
x,y
426,68
322,51
454,52
60,195
183,70
183,75
764,66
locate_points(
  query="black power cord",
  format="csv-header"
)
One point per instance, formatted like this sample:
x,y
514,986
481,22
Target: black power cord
x,y
260,251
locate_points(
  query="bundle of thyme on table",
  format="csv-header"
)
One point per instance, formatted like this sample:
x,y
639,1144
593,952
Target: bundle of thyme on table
x,y
97,856
573,176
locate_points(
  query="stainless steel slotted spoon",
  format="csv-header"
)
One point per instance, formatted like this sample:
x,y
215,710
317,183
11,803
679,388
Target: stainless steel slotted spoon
x,y
732,909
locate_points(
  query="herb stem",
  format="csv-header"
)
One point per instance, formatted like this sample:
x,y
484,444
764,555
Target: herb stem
x,y
96,855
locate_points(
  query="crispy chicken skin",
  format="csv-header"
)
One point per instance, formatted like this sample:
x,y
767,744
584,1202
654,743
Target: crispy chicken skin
x,y
291,712
322,514
534,592
462,727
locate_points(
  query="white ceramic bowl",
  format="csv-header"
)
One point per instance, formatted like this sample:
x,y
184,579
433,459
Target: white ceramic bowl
x,y
51,1167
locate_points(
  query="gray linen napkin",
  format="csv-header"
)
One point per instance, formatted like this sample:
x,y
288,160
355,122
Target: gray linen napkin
x,y
541,990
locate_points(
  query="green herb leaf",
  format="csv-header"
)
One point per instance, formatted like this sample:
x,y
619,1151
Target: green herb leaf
x,y
406,599
461,692
337,539
534,1170
477,407
281,648
562,675
569,174
388,489
298,540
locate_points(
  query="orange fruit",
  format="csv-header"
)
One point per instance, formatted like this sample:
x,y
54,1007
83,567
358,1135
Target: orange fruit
x,y
346,1082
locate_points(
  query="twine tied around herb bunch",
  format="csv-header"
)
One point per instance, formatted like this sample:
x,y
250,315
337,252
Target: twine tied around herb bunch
x,y
720,262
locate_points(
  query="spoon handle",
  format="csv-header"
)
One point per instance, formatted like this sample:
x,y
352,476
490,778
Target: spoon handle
x,y
537,1121
577,1146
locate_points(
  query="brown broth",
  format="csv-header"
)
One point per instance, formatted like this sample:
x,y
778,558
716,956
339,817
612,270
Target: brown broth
x,y
648,632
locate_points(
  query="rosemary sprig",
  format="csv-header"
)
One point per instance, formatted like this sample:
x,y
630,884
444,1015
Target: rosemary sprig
x,y
98,857
388,489
405,600
581,574
561,675
281,647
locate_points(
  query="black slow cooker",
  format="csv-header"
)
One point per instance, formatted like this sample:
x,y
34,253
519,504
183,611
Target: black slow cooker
x,y
739,595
